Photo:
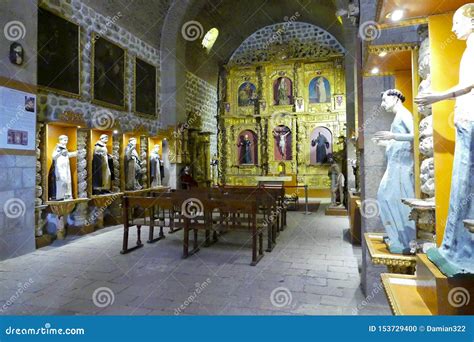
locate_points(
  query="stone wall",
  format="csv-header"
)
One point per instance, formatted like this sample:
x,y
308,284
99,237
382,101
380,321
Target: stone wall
x,y
201,97
17,172
51,105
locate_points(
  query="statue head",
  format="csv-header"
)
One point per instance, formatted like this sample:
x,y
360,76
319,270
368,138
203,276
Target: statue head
x,y
63,139
156,148
132,142
104,138
246,137
392,98
463,21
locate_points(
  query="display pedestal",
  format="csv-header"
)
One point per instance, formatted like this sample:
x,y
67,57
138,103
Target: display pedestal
x,y
423,213
43,240
101,203
336,211
62,209
380,255
355,218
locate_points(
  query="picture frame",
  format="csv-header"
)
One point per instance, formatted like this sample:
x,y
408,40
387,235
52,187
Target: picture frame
x,y
145,90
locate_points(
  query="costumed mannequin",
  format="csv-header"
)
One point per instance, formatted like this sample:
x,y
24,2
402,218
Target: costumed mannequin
x,y
246,152
398,180
157,172
321,144
132,166
281,138
456,253
102,167
60,183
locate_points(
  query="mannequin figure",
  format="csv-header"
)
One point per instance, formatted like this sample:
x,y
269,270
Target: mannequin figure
x,y
398,180
132,166
102,167
157,172
60,183
456,253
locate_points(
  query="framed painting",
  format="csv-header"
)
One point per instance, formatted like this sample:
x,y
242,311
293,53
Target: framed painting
x,y
320,90
247,94
108,76
59,58
145,88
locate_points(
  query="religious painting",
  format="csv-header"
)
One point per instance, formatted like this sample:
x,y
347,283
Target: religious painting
x,y
109,73
58,54
247,148
145,88
319,90
339,103
282,91
247,94
282,143
321,146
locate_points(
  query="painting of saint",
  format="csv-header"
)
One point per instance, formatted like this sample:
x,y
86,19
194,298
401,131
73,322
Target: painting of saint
x,y
145,88
247,94
283,141
321,146
319,90
282,91
247,147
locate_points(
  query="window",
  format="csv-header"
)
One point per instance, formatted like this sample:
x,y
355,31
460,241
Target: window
x,y
210,38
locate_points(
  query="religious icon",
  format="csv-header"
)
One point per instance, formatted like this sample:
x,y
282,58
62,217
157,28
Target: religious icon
x,y
282,135
60,180
133,166
299,106
321,146
102,167
247,94
283,91
157,171
247,147
319,90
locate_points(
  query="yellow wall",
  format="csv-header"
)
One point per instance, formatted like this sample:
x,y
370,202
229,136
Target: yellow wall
x,y
403,81
446,52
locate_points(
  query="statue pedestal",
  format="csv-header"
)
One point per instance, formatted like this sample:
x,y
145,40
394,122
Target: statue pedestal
x,y
62,209
355,218
101,203
423,213
429,292
380,255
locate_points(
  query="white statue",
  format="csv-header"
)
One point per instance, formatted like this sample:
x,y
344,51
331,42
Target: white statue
x,y
337,185
60,184
102,166
398,181
156,167
132,166
456,254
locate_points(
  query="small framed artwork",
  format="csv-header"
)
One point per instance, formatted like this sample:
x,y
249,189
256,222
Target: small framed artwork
x,y
339,102
108,77
299,105
145,88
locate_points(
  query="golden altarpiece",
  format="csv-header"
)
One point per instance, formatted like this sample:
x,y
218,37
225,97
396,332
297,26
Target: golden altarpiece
x,y
271,106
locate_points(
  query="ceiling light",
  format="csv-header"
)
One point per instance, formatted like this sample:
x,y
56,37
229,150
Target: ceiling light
x,y
375,71
383,54
396,15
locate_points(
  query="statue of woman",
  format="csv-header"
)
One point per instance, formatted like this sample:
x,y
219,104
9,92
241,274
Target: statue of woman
x,y
282,92
132,166
398,181
102,167
456,254
156,167
60,183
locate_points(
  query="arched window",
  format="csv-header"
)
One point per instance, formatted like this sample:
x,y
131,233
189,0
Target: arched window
x,y
210,38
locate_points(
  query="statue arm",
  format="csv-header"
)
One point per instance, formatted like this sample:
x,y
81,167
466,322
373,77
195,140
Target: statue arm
x,y
456,91
72,154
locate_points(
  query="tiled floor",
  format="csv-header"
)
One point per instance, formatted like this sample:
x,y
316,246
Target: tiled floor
x,y
313,270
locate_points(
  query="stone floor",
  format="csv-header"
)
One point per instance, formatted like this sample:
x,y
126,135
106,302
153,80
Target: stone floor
x,y
313,270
